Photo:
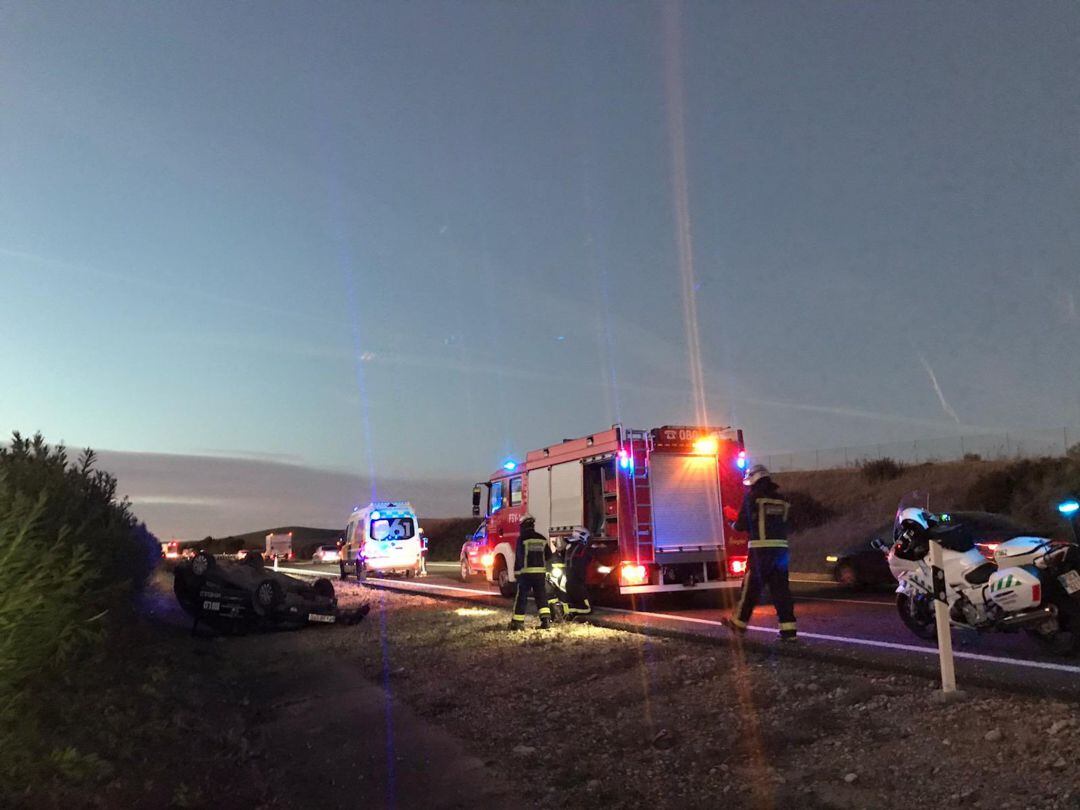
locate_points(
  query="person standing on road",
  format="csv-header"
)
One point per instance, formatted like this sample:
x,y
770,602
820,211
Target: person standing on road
x,y
578,556
530,570
764,516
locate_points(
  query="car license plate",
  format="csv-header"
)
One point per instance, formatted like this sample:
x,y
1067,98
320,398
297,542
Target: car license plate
x,y
1071,581
319,617
214,606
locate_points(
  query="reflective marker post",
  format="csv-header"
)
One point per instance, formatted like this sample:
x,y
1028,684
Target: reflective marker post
x,y
941,619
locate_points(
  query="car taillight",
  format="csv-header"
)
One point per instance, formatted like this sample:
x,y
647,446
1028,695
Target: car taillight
x,y
631,574
737,566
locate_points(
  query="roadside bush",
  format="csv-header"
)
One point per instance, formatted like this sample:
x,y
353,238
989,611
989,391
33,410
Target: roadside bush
x,y
445,536
806,511
70,553
1028,489
879,470
972,457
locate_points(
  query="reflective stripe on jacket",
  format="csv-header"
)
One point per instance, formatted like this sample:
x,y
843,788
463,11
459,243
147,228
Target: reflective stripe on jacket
x,y
533,553
765,519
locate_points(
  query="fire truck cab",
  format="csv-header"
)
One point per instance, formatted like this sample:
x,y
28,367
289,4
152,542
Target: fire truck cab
x,y
653,501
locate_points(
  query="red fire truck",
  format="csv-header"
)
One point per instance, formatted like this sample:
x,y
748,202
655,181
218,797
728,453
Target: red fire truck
x,y
653,501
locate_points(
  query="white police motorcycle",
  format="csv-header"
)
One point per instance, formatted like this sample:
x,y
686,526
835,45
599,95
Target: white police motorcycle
x,y
1032,583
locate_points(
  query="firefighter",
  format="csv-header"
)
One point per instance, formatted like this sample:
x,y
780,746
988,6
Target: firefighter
x,y
577,559
556,581
764,516
530,570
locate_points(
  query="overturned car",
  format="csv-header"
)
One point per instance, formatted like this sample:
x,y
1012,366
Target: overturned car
x,y
242,596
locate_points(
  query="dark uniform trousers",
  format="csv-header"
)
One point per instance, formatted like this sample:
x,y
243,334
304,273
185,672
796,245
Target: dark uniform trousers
x,y
535,584
767,567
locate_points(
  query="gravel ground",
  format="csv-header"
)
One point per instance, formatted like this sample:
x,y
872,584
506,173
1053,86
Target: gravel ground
x,y
585,716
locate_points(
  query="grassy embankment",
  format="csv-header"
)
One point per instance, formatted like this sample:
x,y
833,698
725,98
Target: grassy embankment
x,y
842,507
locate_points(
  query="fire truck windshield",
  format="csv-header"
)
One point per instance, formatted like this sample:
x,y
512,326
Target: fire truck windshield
x,y
392,529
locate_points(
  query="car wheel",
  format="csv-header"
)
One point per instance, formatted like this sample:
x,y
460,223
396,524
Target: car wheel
x,y
202,564
846,575
323,588
267,595
463,572
506,587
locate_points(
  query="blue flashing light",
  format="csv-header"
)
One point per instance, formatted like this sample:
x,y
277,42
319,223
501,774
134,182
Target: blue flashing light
x,y
1069,507
624,460
510,465
740,460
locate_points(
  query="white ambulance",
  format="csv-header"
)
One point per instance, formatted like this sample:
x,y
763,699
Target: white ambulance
x,y
382,537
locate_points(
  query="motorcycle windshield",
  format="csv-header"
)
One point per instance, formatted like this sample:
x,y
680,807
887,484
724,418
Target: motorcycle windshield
x,y
916,499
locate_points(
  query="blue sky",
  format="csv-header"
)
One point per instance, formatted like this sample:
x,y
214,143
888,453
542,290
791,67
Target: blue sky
x,y
405,240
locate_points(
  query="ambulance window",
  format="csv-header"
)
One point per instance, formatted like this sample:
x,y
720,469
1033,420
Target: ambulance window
x,y
496,502
392,529
515,491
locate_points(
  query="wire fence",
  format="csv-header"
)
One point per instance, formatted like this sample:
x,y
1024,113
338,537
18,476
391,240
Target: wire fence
x,y
1035,443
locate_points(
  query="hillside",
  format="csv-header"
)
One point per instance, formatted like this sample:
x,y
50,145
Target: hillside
x,y
445,536
857,504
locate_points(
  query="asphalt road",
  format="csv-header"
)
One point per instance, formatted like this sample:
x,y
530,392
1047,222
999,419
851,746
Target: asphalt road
x,y
858,628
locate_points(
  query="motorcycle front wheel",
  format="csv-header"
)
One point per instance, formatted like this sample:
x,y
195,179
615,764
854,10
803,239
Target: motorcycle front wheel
x,y
917,614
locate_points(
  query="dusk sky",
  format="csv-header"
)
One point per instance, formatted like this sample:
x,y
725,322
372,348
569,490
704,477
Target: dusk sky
x,y
323,243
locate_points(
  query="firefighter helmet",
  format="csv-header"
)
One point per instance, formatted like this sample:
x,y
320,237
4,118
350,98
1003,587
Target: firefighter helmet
x,y
755,474
527,518
579,534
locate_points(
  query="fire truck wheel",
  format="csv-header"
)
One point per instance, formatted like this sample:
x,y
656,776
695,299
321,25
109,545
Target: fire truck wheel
x,y
506,587
463,573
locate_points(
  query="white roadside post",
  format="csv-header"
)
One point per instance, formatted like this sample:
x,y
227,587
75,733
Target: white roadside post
x,y
275,562
941,619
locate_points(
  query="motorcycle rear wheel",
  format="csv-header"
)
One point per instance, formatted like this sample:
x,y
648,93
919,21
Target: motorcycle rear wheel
x,y
917,614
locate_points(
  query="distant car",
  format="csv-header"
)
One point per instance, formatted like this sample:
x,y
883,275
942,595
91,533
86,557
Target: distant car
x,y
860,565
476,556
326,554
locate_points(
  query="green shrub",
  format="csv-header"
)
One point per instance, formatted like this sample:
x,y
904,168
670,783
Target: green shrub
x,y
70,554
879,470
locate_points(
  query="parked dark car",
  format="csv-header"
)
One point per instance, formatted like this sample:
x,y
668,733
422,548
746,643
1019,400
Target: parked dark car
x,y
860,565
242,596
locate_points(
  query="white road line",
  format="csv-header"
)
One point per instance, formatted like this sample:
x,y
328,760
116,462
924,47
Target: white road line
x,y
406,584
866,642
861,642
799,598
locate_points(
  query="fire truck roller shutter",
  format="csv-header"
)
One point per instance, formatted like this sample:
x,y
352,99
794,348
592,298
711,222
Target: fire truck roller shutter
x,y
539,499
566,494
686,501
